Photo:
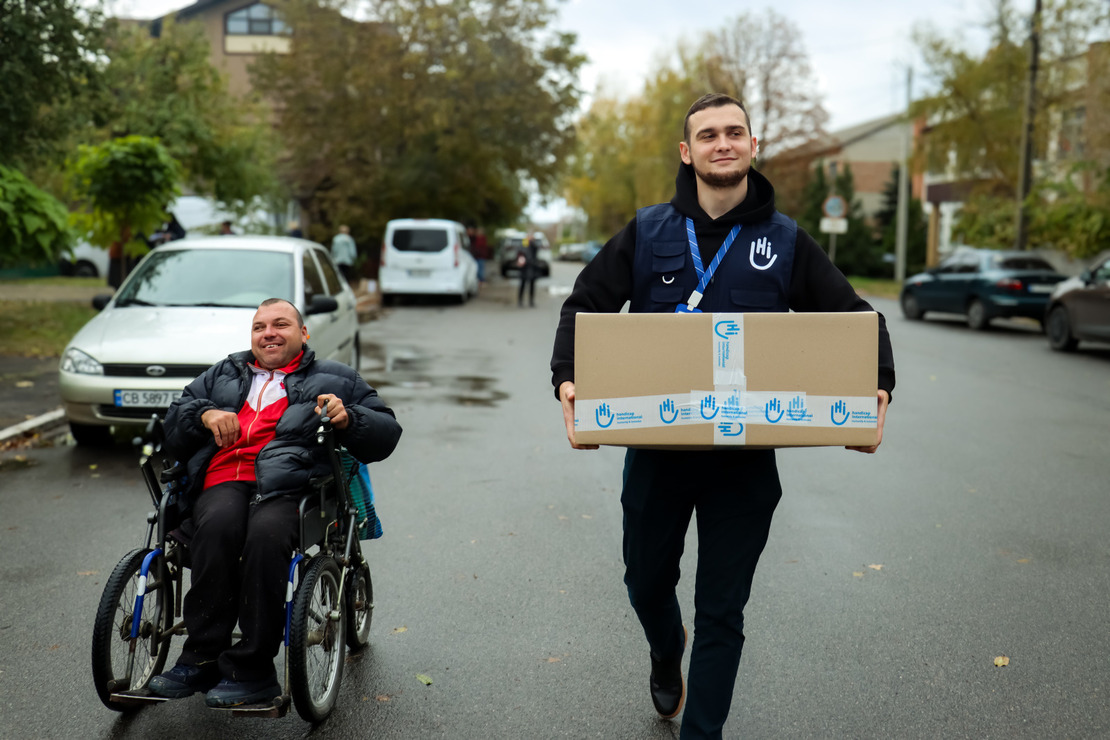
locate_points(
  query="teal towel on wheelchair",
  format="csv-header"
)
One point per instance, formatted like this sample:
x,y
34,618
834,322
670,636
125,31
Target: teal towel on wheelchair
x,y
362,494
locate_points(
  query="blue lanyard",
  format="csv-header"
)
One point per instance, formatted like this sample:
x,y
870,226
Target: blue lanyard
x,y
704,275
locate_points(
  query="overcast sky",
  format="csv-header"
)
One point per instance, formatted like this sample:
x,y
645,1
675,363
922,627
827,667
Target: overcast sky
x,y
859,49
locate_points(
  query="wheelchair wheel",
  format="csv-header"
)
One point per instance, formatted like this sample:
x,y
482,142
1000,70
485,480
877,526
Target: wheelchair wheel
x,y
359,592
316,637
111,643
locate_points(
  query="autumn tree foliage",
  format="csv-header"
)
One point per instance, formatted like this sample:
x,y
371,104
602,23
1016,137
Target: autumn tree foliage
x,y
627,153
417,109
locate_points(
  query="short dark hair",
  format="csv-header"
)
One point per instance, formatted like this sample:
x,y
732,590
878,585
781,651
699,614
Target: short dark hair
x,y
712,100
297,311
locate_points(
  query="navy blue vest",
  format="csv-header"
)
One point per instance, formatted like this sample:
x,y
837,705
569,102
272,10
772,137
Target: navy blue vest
x,y
749,279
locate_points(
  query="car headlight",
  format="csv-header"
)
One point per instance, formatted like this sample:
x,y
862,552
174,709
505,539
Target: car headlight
x,y
76,361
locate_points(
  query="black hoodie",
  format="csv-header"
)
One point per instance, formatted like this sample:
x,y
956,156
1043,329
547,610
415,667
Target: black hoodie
x,y
605,283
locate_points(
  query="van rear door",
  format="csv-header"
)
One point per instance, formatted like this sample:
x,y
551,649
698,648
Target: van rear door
x,y
417,248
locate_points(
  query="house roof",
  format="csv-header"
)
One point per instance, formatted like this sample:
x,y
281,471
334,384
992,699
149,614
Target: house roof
x,y
844,137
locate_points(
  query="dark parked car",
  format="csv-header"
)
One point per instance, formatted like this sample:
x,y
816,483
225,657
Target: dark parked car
x,y
512,244
983,284
1079,308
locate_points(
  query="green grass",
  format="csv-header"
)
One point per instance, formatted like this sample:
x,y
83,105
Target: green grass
x,y
40,328
878,287
91,282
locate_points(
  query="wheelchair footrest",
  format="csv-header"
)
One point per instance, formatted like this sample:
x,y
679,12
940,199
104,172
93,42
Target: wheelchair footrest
x,y
136,698
279,707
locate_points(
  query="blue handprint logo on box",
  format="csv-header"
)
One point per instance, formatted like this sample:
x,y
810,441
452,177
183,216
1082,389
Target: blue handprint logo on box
x,y
709,408
604,416
726,329
797,409
730,428
665,408
839,411
773,407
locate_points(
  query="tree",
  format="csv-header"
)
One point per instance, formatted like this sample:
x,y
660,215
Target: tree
x,y
166,88
32,222
428,109
857,252
760,59
123,186
48,50
886,221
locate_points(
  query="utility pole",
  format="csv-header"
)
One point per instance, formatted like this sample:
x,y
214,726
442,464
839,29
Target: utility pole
x,y
903,188
1025,171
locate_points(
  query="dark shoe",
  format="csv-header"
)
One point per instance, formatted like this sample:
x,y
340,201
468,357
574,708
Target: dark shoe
x,y
236,693
185,680
668,690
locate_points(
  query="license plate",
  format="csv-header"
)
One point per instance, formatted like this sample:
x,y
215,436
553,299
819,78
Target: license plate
x,y
148,399
1041,288
420,273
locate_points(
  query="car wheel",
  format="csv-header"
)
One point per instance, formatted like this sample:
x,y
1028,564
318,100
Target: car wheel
x,y
91,435
910,309
977,317
85,269
1058,328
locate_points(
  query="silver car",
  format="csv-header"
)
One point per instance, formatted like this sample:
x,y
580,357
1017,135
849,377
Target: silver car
x,y
187,305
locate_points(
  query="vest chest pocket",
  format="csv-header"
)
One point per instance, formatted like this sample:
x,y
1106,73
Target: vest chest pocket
x,y
668,258
754,301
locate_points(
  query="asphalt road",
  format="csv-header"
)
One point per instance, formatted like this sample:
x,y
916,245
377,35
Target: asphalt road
x,y
889,587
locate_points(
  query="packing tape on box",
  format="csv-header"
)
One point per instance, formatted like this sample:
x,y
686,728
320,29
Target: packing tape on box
x,y
730,407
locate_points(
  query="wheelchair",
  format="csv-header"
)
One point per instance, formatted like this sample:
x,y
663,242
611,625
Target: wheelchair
x,y
329,601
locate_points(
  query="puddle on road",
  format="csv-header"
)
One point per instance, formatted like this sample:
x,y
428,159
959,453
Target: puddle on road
x,y
404,368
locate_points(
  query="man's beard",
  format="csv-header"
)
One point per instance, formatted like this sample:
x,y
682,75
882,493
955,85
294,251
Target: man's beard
x,y
722,180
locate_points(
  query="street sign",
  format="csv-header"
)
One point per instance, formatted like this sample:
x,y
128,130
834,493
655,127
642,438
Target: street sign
x,y
834,226
835,207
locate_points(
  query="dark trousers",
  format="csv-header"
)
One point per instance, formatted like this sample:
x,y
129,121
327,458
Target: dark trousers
x,y
734,494
240,567
527,280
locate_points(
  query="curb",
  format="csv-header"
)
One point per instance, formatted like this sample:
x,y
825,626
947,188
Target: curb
x,y
50,418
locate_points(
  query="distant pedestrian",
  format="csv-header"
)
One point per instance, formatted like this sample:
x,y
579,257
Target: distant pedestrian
x,y
225,229
526,260
481,251
295,229
344,252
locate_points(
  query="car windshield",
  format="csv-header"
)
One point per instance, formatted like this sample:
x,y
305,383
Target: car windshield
x,y
420,240
999,262
209,277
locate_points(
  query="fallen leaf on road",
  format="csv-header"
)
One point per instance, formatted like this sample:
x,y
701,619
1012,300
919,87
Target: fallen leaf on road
x,y
587,516
876,567
554,660
87,572
426,680
1001,661
381,697
94,466
25,384
399,630
55,646
857,573
1024,560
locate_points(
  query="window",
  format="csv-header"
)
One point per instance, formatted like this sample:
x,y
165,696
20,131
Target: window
x,y
313,284
255,20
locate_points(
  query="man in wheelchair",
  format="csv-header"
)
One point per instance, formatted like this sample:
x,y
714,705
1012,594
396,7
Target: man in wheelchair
x,y
247,431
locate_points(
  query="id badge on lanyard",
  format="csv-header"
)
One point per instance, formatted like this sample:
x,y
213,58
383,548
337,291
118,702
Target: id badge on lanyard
x,y
704,275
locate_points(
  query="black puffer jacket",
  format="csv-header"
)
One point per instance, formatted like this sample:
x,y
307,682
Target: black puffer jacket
x,y
286,463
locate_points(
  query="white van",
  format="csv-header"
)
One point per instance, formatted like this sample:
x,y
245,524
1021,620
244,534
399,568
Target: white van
x,y
427,256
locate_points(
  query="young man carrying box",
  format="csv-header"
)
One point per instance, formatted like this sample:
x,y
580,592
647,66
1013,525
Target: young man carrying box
x,y
689,256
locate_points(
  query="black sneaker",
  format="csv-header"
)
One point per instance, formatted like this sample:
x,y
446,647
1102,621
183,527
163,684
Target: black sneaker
x,y
237,693
185,680
668,690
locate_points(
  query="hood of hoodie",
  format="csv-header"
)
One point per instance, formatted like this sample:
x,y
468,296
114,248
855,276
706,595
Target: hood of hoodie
x,y
757,206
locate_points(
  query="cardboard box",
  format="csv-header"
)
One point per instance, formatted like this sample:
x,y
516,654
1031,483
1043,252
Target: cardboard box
x,y
683,381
